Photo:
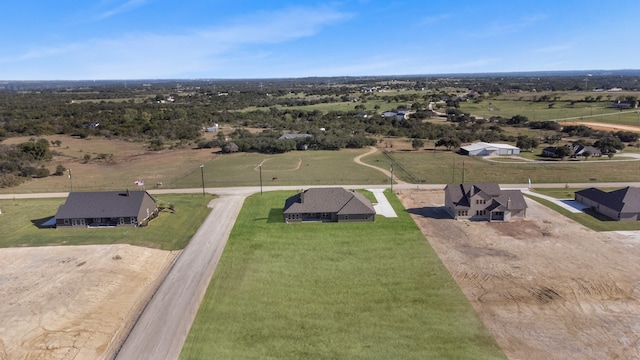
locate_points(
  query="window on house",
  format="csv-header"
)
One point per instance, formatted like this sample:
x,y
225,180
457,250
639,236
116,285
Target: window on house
x,y
481,212
66,221
463,213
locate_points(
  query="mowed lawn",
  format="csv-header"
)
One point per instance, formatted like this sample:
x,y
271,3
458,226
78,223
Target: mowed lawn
x,y
442,167
170,231
312,167
333,291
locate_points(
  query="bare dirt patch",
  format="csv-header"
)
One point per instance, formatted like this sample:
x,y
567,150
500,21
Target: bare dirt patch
x,y
545,286
605,126
75,302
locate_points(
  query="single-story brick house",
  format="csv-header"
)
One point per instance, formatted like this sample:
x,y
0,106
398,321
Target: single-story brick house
x,y
484,201
328,205
620,205
106,208
484,149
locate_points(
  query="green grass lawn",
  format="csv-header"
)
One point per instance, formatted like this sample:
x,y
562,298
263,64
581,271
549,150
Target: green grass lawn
x,y
170,231
333,291
538,111
292,168
442,167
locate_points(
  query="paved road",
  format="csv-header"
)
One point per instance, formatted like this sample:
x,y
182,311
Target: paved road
x,y
163,326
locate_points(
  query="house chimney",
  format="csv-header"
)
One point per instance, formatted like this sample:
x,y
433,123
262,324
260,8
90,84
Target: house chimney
x,y
509,203
128,193
302,196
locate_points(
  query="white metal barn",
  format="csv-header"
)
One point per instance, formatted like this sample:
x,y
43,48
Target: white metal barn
x,y
484,149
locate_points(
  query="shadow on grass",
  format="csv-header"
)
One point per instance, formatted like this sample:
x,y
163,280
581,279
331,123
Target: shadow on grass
x,y
432,212
44,223
275,216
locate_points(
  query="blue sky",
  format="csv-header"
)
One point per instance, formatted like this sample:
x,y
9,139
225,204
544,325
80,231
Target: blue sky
x,y
157,39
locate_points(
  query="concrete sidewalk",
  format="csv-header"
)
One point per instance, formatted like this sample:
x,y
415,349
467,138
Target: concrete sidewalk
x,y
383,207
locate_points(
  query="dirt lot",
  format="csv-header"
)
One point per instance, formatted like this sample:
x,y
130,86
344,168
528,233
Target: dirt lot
x,y
73,302
545,286
605,126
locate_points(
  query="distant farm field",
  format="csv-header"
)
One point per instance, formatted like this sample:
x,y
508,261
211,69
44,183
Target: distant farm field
x,y
333,291
558,110
170,231
117,164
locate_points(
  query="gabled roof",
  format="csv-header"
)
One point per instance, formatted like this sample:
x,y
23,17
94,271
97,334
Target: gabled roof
x,y
623,200
329,200
502,199
102,204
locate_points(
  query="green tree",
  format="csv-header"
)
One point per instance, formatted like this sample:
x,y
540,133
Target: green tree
x,y
417,144
449,142
59,170
562,152
609,145
527,143
36,150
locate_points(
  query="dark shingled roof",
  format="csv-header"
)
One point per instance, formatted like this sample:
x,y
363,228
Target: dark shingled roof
x,y
103,204
328,200
625,200
506,199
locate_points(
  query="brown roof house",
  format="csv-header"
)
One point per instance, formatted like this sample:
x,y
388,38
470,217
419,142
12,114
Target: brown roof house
x,y
106,208
484,202
328,205
621,205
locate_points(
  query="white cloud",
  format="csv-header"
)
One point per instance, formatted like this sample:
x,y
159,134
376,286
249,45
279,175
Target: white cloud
x,y
554,48
516,26
430,20
127,6
144,55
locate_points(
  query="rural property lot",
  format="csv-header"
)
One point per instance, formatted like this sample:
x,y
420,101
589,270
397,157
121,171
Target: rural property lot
x,y
74,302
545,286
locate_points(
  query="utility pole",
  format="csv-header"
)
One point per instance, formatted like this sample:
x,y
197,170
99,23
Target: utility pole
x,y
391,169
260,166
202,174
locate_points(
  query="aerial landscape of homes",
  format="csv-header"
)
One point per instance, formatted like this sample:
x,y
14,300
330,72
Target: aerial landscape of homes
x,y
398,155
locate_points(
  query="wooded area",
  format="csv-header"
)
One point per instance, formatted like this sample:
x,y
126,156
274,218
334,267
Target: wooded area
x,y
167,114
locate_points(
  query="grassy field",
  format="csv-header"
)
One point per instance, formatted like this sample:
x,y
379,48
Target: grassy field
x,y
444,167
333,291
292,168
170,231
180,168
538,111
